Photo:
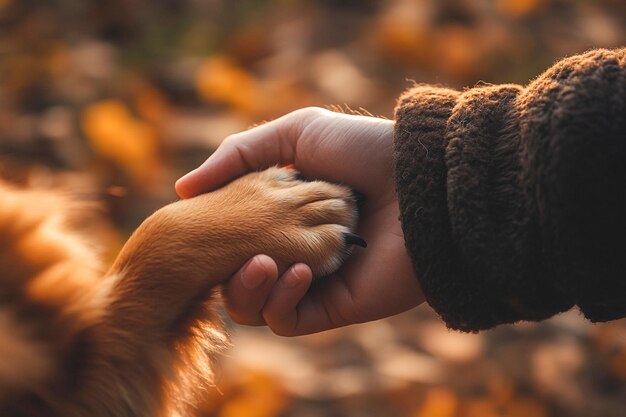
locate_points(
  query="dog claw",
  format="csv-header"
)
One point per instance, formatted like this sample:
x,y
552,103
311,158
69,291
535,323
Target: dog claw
x,y
352,239
359,198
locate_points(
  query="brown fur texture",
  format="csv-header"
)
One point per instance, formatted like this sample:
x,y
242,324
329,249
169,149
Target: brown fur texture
x,y
513,199
139,340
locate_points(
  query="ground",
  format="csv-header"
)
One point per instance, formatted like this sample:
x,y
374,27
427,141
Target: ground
x,y
114,100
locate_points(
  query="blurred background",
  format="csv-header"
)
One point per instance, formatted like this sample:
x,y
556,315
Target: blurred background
x,y
116,99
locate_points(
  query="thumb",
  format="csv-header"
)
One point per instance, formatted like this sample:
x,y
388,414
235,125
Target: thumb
x,y
260,147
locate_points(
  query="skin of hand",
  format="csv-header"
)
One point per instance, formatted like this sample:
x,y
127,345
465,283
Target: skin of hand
x,y
356,151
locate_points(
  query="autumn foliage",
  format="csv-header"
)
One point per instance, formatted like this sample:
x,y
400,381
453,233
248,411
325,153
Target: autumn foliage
x,y
116,99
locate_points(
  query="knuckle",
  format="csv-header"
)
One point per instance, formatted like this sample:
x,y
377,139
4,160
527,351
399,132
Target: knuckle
x,y
308,113
229,140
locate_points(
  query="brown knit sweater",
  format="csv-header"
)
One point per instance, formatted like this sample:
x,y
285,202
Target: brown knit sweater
x,y
513,199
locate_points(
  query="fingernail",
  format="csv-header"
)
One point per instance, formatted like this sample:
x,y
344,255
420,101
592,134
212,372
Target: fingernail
x,y
291,279
252,281
178,186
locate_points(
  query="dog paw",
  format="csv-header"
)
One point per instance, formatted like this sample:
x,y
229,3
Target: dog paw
x,y
270,212
310,222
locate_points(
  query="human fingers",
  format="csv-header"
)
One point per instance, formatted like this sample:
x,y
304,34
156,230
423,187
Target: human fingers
x,y
248,289
280,312
342,148
260,147
374,283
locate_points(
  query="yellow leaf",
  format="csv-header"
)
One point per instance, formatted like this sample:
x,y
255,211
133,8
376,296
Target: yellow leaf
x,y
115,134
481,408
403,41
439,402
151,104
261,396
519,8
525,407
457,51
219,79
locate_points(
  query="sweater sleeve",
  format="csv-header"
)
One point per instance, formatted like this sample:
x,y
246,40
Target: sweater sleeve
x,y
513,199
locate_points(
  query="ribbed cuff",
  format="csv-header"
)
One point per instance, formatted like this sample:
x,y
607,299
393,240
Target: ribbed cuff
x,y
467,218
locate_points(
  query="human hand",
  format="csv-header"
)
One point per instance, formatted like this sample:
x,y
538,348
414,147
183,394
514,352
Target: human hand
x,y
353,150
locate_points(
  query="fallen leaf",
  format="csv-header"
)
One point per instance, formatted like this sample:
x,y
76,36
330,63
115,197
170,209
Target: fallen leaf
x,y
519,8
439,402
115,134
219,79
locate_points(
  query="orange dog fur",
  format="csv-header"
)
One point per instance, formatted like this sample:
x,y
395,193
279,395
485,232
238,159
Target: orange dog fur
x,y
139,339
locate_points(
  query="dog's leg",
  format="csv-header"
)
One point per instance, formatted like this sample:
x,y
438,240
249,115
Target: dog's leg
x,y
158,323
